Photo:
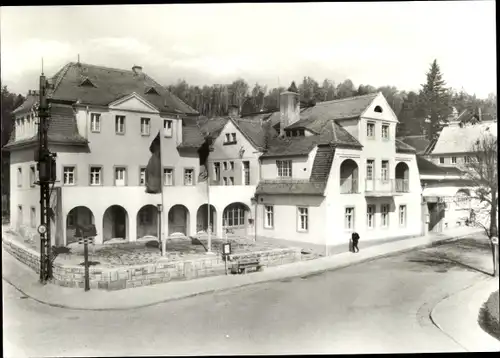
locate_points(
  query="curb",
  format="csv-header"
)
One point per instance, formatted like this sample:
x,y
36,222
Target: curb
x,y
477,327
209,291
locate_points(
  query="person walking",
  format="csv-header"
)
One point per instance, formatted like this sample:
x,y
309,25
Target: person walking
x,y
355,240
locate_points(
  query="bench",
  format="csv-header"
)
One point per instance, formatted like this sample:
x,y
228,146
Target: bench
x,y
242,266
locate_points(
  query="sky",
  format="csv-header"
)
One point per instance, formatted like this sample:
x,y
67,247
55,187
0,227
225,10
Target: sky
x,y
270,43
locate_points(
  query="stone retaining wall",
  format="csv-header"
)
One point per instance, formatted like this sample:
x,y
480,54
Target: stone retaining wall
x,y
147,274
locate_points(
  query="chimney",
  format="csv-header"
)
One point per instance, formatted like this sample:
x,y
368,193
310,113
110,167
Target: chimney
x,y
233,111
289,110
137,70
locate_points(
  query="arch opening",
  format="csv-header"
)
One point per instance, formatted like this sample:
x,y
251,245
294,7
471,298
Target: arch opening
x,y
236,219
147,222
115,223
202,222
178,220
78,216
402,176
348,177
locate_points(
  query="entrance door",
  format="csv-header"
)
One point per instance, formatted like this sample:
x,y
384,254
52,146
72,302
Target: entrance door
x,y
435,217
119,223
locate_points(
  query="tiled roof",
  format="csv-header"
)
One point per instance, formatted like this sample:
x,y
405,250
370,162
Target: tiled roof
x,y
212,126
62,128
426,167
192,136
456,139
402,147
314,118
253,131
110,85
292,146
290,187
27,105
322,164
419,142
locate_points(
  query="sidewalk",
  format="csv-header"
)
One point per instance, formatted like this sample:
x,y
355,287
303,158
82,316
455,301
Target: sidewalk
x,y
26,281
457,316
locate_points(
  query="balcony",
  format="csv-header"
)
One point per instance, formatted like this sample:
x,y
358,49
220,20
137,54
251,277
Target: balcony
x,y
348,186
402,186
381,187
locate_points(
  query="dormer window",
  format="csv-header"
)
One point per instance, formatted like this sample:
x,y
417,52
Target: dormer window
x,y
87,83
378,109
151,90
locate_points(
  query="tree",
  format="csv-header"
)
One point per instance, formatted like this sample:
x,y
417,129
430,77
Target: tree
x,y
482,171
238,91
365,89
345,89
435,100
411,119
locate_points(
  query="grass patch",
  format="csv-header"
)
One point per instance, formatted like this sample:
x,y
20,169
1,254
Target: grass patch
x,y
489,316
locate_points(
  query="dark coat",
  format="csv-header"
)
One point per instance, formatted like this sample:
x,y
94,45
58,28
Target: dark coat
x,y
355,237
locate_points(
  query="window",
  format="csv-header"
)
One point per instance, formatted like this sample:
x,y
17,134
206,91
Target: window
x,y
32,175
230,138
33,217
384,215
284,168
19,177
145,126
217,171
453,160
69,175
167,127
231,180
168,176
370,130
142,176
370,164
303,224
385,170
120,176
378,109
269,216
95,175
231,165
402,215
246,173
120,124
188,176
467,159
385,131
95,122
224,181
224,165
441,160
234,215
349,218
370,216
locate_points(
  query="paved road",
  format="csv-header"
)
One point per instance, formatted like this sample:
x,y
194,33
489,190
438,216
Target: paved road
x,y
377,307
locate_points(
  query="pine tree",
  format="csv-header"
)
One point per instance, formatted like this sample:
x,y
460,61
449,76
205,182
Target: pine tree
x,y
435,101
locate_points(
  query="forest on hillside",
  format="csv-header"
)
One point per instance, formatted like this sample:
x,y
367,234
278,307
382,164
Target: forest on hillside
x,y
434,102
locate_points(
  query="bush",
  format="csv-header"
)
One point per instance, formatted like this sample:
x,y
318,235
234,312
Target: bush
x,y
489,316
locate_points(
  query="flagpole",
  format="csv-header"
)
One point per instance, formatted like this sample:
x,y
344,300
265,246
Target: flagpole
x,y
209,234
163,242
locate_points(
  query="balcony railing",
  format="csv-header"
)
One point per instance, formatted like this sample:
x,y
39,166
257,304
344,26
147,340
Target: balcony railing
x,y
348,186
379,187
402,185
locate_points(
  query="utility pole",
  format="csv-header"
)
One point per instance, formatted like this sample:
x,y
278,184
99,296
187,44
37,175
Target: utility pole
x,y
46,166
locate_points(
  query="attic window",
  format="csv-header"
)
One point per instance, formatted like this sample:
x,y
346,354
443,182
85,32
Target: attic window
x,y
151,90
87,82
378,109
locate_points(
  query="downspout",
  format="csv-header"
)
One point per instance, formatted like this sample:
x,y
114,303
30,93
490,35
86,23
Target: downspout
x,y
87,122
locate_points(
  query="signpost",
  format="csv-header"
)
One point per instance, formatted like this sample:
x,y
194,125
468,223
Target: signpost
x,y
86,236
494,241
226,251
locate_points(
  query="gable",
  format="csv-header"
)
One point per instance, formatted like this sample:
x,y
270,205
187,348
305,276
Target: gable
x,y
222,150
380,109
134,103
87,83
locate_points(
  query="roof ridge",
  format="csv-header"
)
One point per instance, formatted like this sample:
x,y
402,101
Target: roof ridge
x,y
169,92
349,98
62,73
99,66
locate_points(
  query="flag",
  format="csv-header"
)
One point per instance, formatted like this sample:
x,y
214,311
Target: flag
x,y
204,153
153,169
